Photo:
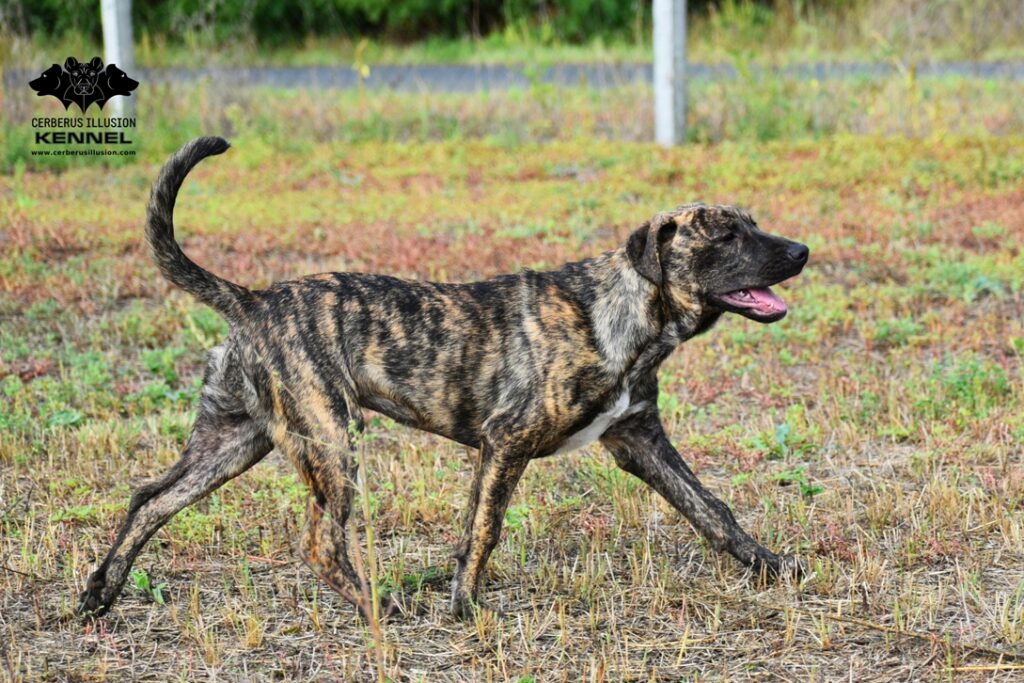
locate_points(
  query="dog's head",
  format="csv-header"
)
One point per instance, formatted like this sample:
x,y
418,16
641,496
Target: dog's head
x,y
49,82
84,76
715,259
118,82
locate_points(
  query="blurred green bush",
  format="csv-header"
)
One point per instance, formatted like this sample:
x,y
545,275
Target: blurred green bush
x,y
719,29
272,21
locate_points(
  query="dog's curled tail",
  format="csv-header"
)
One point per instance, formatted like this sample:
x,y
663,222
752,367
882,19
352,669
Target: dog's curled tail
x,y
226,297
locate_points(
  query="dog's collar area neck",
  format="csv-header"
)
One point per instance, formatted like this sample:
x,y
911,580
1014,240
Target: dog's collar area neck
x,y
678,325
680,330
672,330
652,355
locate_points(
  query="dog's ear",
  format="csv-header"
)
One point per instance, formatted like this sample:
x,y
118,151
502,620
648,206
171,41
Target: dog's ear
x,y
96,63
644,246
70,63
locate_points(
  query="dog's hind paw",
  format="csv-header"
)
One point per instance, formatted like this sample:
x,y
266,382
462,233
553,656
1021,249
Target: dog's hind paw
x,y
464,608
90,605
91,602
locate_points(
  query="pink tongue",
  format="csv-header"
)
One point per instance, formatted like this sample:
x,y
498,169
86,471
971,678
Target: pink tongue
x,y
767,300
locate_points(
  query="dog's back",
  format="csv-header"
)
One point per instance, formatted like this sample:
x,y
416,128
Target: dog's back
x,y
431,355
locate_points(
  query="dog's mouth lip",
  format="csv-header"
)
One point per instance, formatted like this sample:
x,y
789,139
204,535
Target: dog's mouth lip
x,y
756,303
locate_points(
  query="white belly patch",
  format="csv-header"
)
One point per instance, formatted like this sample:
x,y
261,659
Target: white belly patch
x,y
593,431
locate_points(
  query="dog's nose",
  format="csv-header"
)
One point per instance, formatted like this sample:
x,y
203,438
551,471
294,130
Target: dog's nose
x,y
798,253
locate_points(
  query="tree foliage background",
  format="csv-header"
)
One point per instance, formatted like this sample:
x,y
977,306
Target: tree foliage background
x,y
402,20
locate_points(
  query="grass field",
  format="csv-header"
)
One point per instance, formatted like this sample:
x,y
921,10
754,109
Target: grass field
x,y
876,431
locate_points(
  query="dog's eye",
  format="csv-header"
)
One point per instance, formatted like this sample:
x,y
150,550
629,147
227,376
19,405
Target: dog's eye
x,y
727,237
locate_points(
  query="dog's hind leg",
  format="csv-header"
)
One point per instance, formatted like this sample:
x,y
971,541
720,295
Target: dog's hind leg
x,y
641,447
223,444
324,462
324,545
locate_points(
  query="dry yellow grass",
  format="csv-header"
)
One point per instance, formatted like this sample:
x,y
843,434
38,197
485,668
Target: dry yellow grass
x,y
876,431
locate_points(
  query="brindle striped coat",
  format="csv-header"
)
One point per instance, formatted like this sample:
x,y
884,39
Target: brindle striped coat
x,y
517,367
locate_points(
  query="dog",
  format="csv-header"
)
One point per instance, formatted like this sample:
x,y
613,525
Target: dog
x,y
517,367
54,81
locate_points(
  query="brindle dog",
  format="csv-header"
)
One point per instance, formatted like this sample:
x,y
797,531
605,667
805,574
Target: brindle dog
x,y
518,367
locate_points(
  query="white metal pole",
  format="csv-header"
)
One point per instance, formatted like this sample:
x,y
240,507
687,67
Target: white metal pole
x,y
669,72
117,47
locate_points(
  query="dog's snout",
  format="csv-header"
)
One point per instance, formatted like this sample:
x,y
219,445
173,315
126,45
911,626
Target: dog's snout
x,y
798,253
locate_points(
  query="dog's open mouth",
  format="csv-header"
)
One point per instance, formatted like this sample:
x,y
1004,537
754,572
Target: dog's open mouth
x,y
761,304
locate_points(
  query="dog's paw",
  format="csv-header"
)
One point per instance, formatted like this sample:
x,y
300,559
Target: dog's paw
x,y
461,606
465,608
769,567
792,567
390,607
92,603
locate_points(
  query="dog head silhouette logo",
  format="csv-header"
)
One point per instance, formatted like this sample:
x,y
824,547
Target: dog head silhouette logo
x,y
83,83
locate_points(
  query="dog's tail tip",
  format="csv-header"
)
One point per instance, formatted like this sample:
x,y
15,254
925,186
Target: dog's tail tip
x,y
202,147
212,144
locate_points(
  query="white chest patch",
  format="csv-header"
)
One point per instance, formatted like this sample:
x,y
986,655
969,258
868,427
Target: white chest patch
x,y
593,431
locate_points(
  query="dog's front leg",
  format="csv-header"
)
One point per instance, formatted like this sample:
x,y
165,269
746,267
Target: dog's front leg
x,y
494,479
642,448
